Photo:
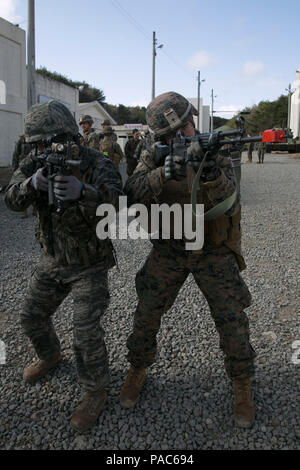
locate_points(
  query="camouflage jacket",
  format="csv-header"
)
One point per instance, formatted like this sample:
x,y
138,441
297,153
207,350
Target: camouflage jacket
x,y
113,136
90,139
20,151
130,147
148,186
144,144
112,150
70,237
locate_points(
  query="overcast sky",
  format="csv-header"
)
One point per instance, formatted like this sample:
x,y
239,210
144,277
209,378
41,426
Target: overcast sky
x,y
246,50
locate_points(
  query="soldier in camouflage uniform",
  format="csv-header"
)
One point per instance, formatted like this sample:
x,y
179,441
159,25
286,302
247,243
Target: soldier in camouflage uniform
x,y
250,150
73,259
130,149
216,268
110,148
105,125
261,148
145,143
90,138
21,150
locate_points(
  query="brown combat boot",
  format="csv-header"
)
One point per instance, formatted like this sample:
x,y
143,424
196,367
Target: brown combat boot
x,y
243,403
87,412
132,386
39,368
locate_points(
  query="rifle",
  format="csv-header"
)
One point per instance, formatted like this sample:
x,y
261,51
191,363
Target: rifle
x,y
57,159
211,143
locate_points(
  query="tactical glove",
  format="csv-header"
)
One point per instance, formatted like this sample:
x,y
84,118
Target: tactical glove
x,y
67,188
174,168
195,156
39,181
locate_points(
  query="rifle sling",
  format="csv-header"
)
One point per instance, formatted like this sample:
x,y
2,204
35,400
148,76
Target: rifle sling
x,y
220,208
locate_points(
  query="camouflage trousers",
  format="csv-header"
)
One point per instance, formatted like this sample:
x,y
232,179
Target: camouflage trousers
x,y
49,285
261,155
217,274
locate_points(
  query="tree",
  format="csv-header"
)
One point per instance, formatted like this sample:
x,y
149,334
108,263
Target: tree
x,y
265,115
126,114
218,121
88,94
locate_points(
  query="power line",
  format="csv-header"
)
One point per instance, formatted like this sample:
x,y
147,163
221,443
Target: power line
x,y
142,30
130,18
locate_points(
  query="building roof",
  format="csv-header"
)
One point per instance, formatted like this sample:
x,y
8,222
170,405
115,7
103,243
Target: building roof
x,y
83,107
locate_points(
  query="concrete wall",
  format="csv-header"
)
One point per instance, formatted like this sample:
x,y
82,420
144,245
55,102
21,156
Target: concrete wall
x,y
47,89
13,92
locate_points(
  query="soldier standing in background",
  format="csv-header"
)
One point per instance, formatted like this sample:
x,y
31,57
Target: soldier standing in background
x,y
110,148
130,149
89,138
73,258
105,125
216,267
21,150
261,148
250,150
145,143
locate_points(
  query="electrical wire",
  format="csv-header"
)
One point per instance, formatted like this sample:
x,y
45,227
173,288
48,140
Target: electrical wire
x,y
142,30
130,18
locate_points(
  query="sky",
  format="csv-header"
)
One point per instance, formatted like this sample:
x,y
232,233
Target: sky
x,y
245,50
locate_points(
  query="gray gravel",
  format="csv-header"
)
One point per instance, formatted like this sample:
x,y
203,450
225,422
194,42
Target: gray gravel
x,y
186,402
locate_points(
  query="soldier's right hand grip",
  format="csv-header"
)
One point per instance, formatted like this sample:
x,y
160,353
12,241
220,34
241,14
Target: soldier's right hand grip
x,y
168,167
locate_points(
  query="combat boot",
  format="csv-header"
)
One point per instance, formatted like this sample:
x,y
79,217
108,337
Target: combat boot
x,y
243,403
132,386
39,368
87,412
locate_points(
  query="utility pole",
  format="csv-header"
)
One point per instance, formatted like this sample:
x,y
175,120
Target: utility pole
x,y
212,111
198,106
154,47
31,93
289,89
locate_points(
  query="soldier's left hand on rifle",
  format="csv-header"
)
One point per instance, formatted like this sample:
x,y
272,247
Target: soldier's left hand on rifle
x,y
67,188
39,181
196,154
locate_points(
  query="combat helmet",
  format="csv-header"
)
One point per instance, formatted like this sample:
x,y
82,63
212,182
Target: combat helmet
x,y
86,118
47,120
168,112
109,130
106,122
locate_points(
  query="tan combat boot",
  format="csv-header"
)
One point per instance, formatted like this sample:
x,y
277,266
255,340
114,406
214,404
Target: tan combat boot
x,y
87,412
39,368
132,386
243,403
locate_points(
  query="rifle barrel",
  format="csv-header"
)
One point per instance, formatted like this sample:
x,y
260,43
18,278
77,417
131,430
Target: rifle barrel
x,y
243,140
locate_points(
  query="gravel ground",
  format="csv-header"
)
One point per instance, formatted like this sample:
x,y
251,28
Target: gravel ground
x,y
187,401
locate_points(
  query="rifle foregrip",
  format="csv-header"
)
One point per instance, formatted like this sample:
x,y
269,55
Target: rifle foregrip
x,y
51,191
